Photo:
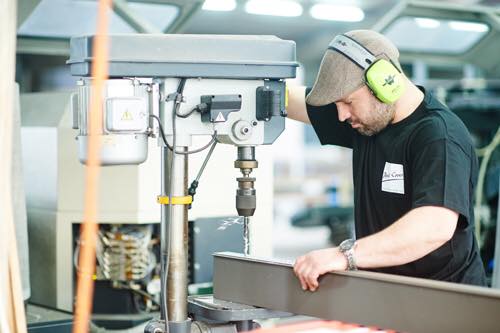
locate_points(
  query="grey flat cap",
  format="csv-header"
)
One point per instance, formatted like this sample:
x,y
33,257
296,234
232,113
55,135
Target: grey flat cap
x,y
338,76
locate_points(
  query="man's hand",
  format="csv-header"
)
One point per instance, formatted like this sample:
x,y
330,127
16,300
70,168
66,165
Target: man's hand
x,y
311,266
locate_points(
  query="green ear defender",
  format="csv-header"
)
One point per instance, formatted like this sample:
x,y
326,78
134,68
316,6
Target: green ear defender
x,y
382,77
385,81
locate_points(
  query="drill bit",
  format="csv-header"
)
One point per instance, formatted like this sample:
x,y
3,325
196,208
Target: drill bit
x,y
246,235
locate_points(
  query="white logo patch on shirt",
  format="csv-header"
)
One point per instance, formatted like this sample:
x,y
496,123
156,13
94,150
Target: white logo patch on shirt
x,y
393,178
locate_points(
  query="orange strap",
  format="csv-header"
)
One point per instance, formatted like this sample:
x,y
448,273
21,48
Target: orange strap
x,y
89,227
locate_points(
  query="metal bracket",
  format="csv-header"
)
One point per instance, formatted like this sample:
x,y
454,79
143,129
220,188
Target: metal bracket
x,y
176,97
208,307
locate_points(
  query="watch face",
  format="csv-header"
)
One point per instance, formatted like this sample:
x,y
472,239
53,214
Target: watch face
x,y
347,245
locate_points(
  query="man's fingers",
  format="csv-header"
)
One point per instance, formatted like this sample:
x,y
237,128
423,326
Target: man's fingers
x,y
306,273
312,280
303,283
302,280
297,269
309,277
315,283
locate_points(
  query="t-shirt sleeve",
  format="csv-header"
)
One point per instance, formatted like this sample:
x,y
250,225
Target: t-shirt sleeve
x,y
441,176
327,126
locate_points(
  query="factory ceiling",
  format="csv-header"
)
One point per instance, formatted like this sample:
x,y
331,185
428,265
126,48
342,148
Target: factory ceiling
x,y
422,30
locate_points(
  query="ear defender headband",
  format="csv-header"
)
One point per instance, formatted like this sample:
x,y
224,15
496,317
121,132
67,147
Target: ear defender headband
x,y
382,77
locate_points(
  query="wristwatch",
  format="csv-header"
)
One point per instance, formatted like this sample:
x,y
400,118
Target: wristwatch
x,y
347,249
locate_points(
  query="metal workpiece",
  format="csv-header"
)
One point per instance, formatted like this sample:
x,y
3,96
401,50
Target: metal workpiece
x,y
367,298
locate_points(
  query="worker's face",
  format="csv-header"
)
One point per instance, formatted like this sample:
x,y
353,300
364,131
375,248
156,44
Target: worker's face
x,y
364,112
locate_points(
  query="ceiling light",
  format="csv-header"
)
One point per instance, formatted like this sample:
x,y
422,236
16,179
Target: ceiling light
x,y
427,23
274,7
219,5
468,26
324,11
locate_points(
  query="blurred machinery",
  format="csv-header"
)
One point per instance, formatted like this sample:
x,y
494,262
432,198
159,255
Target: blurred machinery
x,y
54,195
340,221
477,103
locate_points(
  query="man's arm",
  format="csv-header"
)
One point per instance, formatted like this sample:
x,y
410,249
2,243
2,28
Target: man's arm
x,y
297,109
416,234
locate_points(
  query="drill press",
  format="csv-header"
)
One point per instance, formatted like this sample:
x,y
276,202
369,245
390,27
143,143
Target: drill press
x,y
174,87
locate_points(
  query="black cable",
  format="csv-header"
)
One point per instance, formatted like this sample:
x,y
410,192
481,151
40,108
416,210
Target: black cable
x,y
164,139
200,108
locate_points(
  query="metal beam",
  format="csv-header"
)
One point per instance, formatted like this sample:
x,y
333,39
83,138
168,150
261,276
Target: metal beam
x,y
45,46
121,8
366,298
24,10
187,10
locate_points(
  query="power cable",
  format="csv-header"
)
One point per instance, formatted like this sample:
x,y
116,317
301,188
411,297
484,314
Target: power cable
x,y
486,153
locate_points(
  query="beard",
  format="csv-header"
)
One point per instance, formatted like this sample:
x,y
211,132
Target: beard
x,y
379,117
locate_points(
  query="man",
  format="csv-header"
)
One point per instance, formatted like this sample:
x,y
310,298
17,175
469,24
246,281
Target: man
x,y
414,167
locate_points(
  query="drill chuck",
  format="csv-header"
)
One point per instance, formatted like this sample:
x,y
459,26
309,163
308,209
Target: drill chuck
x,y
246,198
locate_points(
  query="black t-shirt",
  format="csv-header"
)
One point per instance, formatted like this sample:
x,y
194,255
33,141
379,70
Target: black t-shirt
x,y
427,159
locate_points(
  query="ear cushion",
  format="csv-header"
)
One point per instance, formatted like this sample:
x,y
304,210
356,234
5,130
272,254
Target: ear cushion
x,y
385,80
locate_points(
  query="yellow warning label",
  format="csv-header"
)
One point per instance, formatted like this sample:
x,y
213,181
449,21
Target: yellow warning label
x,y
127,115
286,97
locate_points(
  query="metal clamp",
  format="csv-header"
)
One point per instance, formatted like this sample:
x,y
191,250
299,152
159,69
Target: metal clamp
x,y
176,97
164,200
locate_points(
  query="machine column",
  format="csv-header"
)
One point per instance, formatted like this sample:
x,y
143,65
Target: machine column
x,y
177,219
